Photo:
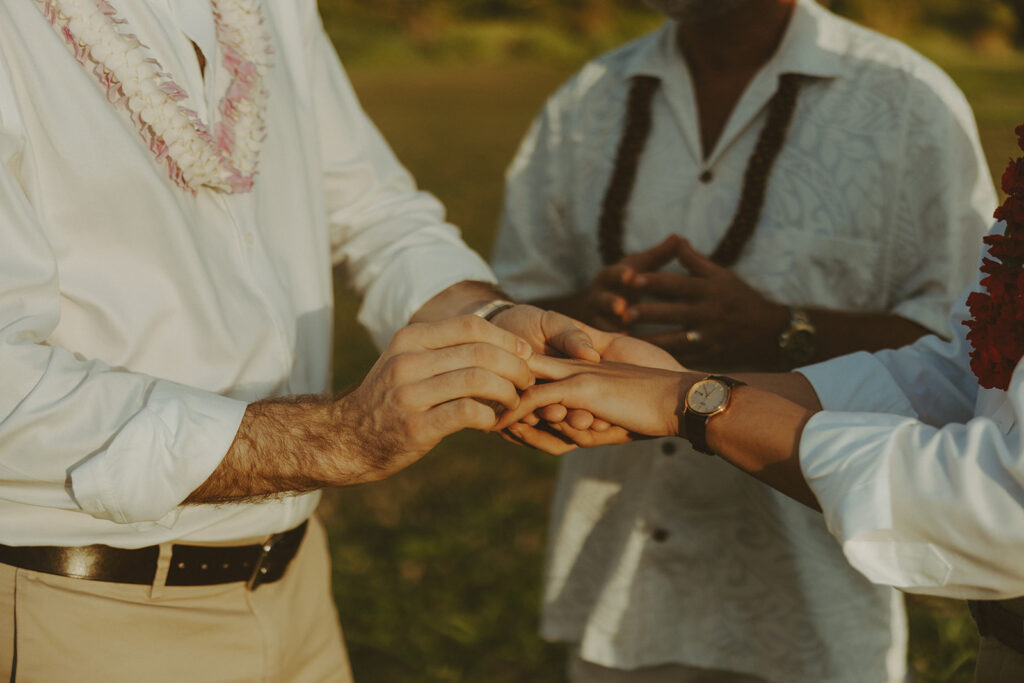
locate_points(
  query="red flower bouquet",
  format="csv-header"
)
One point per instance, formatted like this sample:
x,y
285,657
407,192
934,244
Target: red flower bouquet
x,y
997,324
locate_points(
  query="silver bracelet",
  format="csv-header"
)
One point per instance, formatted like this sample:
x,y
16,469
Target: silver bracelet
x,y
490,310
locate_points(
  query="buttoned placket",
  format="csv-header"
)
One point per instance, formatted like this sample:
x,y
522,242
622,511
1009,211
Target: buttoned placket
x,y
681,100
197,28
663,456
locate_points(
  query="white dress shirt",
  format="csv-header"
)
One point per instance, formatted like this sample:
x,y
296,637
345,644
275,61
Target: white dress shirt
x,y
928,497
137,321
877,202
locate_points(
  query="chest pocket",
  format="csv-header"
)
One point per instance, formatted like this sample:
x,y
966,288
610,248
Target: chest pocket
x,y
795,267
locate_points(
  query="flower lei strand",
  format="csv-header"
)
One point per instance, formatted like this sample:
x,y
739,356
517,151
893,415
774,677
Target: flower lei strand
x,y
225,159
997,324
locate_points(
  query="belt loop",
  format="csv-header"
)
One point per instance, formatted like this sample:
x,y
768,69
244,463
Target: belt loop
x,y
163,565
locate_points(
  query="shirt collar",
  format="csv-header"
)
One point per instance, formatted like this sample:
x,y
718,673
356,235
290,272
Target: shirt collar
x,y
194,18
812,45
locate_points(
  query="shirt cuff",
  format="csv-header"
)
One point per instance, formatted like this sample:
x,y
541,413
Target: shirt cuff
x,y
159,457
857,382
412,279
844,460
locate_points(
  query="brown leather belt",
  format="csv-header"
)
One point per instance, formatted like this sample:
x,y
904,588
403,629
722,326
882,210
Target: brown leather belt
x,y
191,565
996,621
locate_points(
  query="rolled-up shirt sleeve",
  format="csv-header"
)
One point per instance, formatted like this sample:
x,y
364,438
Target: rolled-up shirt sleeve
x,y
926,494
928,510
391,238
76,433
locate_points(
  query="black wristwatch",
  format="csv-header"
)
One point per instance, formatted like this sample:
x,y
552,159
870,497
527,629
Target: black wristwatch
x,y
705,399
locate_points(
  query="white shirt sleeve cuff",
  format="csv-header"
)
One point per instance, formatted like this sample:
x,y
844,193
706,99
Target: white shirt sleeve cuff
x,y
159,457
413,278
838,456
858,382
843,457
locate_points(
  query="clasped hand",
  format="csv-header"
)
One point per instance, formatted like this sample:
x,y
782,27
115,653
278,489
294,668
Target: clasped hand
x,y
710,316
438,378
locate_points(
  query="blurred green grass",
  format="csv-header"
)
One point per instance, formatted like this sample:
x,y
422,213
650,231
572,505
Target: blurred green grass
x,y
437,570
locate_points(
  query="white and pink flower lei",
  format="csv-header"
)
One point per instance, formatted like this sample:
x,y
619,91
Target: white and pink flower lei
x,y
224,159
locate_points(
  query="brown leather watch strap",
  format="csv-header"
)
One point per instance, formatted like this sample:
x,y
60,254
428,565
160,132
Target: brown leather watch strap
x,y
696,424
696,431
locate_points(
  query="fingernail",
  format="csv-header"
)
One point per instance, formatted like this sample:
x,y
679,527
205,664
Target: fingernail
x,y
523,349
640,281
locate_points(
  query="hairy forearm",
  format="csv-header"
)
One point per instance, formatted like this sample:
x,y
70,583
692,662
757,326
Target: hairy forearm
x,y
423,387
459,299
284,446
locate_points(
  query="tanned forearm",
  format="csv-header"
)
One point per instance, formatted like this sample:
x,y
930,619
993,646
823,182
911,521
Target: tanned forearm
x,y
421,389
760,434
286,446
459,299
305,443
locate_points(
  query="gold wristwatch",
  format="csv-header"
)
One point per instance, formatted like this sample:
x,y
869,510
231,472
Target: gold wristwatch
x,y
799,342
705,399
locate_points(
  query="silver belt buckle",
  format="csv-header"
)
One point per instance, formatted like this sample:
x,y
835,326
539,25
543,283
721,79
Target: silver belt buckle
x,y
260,569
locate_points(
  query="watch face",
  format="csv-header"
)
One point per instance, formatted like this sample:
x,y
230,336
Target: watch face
x,y
707,396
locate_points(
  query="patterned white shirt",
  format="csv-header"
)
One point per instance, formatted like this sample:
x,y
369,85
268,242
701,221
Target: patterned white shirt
x,y
877,202
137,321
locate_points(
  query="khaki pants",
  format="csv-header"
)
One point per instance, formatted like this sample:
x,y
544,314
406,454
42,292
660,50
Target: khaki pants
x,y
56,630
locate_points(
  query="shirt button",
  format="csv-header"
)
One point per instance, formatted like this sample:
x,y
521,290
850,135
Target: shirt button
x,y
706,177
660,535
668,448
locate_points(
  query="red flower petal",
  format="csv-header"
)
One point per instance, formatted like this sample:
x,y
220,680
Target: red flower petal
x,y
1013,177
996,327
1012,211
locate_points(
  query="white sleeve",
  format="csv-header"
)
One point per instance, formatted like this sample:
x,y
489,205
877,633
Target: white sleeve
x,y
944,205
534,253
928,499
391,238
928,380
924,509
75,433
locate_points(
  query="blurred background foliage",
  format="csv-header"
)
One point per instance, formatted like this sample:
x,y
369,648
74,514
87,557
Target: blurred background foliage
x,y
398,30
437,571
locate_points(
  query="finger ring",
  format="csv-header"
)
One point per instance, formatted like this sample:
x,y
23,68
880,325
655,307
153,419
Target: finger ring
x,y
692,337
